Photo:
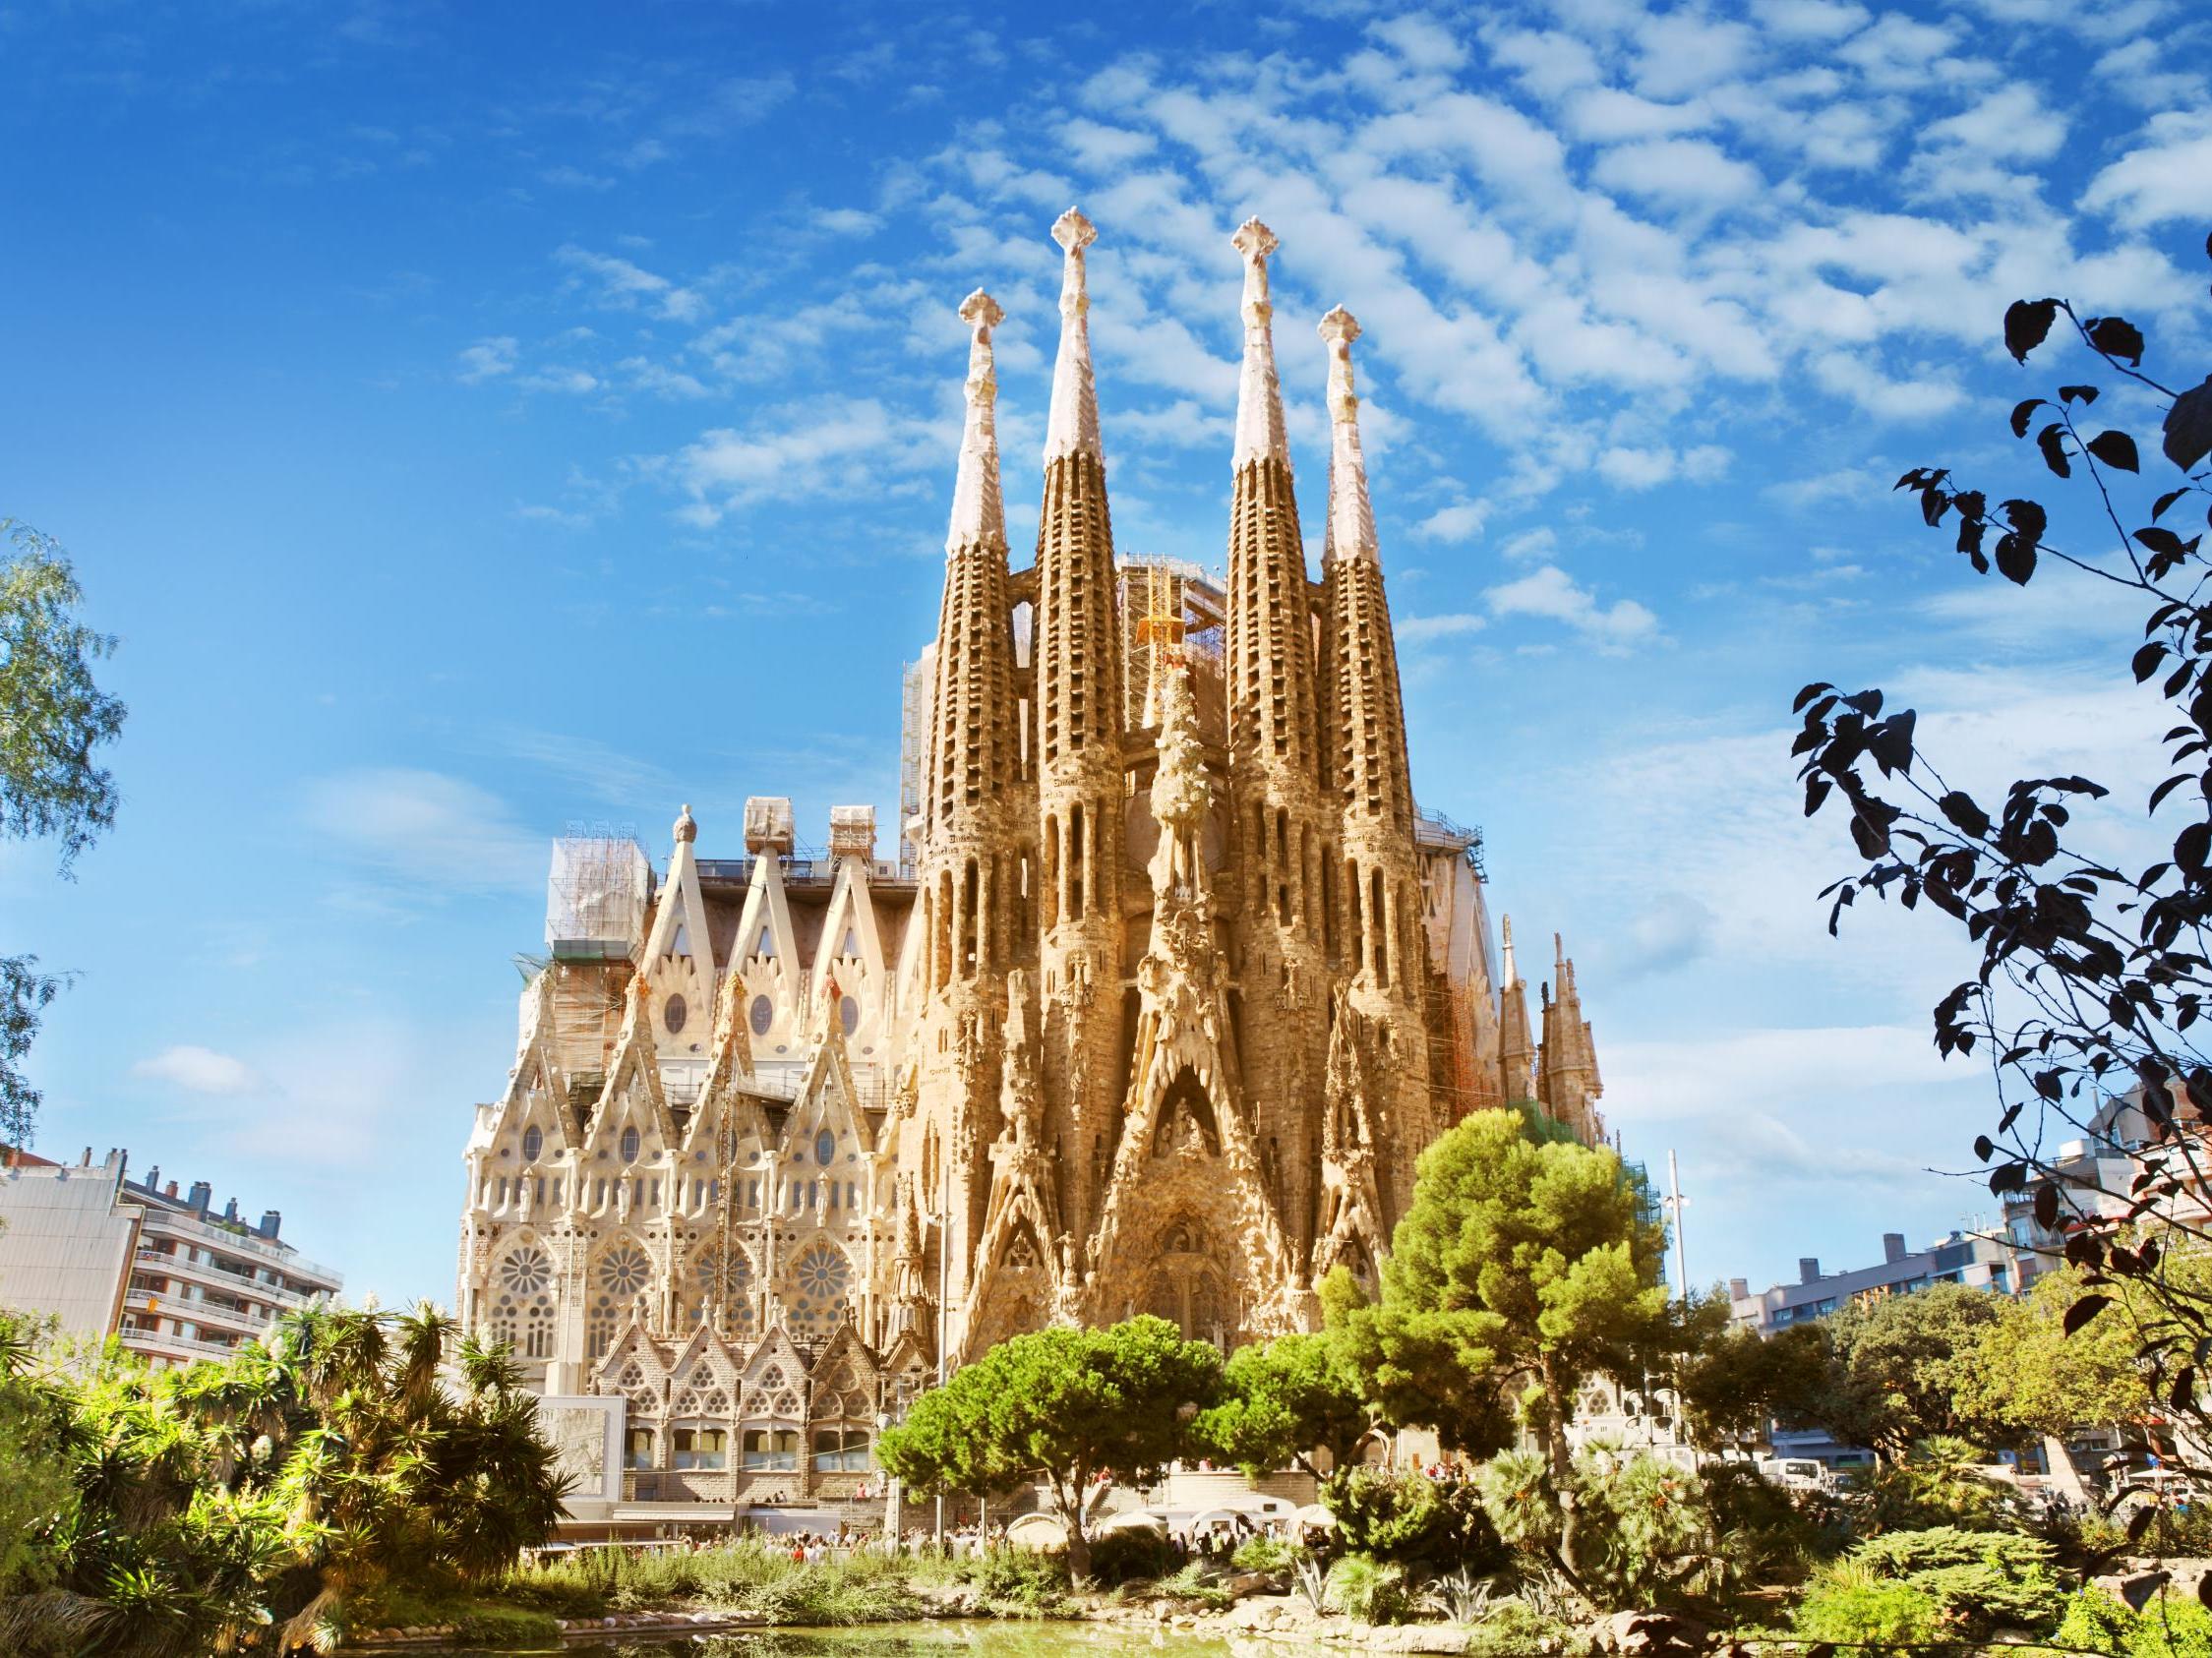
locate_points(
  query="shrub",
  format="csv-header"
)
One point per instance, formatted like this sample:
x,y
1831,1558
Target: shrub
x,y
2168,1628
1370,1591
1848,1607
1196,1581
1415,1521
1124,1556
1512,1629
1021,1584
1646,1522
1261,1554
1981,1580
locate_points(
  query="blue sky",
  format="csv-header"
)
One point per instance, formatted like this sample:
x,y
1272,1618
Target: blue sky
x,y
475,420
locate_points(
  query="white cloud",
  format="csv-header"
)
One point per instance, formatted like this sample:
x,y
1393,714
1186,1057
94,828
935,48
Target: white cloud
x,y
1526,545
489,358
846,222
428,831
1461,521
625,285
1867,386
1422,629
801,450
1679,170
2162,180
199,1070
1551,593
1647,468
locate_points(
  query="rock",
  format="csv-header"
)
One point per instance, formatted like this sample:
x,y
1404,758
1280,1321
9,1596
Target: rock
x,y
2136,1588
1656,1633
1245,1584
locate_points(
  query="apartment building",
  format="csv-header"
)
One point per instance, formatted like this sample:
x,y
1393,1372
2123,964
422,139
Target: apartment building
x,y
176,1278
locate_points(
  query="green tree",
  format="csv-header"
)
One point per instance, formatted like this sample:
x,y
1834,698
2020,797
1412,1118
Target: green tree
x,y
1899,1371
52,717
1283,1402
1736,1381
2026,1374
1071,1407
1518,1265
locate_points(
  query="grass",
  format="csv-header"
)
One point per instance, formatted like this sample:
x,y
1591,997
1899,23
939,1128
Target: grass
x,y
743,1576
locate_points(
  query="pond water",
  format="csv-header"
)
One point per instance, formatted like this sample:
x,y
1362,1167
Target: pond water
x,y
903,1641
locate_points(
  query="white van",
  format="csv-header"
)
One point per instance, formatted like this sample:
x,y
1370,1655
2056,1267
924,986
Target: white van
x,y
1795,1474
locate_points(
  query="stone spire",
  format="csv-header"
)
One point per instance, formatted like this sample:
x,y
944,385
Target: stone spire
x,y
1567,1080
973,750
1350,531
1079,707
1260,433
1517,1047
1072,425
1272,693
979,510
1366,706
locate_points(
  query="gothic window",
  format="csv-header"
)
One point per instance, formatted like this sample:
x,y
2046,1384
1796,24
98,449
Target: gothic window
x,y
674,1012
697,1445
638,1448
817,1299
841,1450
825,1148
630,1145
533,1142
849,1014
771,1448
522,1312
767,943
761,1016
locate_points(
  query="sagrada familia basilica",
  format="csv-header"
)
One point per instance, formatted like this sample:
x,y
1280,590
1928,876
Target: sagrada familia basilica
x,y
1162,989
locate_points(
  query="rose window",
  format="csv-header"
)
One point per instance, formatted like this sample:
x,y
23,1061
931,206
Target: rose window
x,y
818,1283
625,1270
527,1272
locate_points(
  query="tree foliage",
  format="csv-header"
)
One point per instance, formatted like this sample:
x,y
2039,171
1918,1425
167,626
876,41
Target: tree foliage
x,y
1518,1267
2091,980
1066,1406
52,717
2028,1376
1283,1400
209,1503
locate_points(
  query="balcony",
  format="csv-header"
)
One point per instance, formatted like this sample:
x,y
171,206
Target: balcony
x,y
161,1221
162,1342
168,1302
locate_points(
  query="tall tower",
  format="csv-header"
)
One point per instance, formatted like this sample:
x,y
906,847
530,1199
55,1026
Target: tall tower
x,y
1285,925
969,873
1374,793
1081,794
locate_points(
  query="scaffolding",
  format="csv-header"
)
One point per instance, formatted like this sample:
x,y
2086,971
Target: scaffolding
x,y
1169,607
596,894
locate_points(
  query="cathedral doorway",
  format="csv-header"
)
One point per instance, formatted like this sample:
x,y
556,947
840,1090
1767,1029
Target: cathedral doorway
x,y
1186,1287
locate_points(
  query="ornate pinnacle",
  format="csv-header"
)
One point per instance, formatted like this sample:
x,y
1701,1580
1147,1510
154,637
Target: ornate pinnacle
x,y
1071,424
979,512
686,827
1260,433
1350,532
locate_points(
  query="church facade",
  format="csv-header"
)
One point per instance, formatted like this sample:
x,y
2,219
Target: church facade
x,y
1148,1006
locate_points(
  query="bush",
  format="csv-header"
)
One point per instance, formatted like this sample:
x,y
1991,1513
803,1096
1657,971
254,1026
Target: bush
x,y
1125,1557
2168,1628
1958,1584
1512,1629
1646,1526
1848,1607
1261,1554
1415,1521
1021,1584
1369,1591
1763,1534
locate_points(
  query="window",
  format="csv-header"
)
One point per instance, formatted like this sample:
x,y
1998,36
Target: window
x,y
637,1449
673,1014
630,1145
762,1015
849,1014
772,1448
533,1142
841,1450
701,1448
825,1148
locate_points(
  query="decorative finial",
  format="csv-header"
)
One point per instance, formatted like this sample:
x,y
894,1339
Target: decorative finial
x,y
979,511
1350,531
1260,433
1509,978
686,827
1071,424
